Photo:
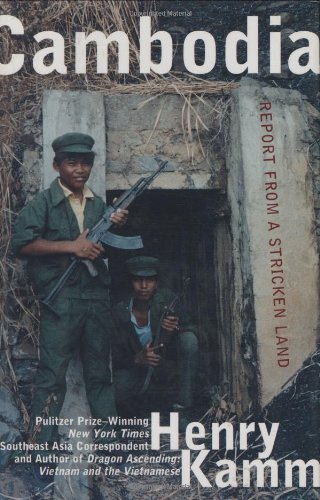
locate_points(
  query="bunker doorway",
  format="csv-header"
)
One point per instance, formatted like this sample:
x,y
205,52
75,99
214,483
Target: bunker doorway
x,y
179,227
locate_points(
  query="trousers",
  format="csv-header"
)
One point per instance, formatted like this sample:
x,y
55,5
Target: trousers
x,y
163,389
80,324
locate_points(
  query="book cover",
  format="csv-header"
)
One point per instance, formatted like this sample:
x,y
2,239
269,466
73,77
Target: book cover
x,y
225,92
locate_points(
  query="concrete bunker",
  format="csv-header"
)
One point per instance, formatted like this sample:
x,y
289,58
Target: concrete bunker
x,y
179,227
221,190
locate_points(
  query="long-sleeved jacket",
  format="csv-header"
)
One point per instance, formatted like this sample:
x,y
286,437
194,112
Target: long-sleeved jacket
x,y
50,216
126,343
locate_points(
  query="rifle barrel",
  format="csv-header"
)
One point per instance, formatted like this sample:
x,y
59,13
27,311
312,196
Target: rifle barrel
x,y
123,201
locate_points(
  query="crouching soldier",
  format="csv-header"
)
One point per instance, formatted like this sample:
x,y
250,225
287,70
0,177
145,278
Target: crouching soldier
x,y
174,362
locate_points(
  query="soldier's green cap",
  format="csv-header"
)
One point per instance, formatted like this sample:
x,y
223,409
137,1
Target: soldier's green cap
x,y
143,266
73,142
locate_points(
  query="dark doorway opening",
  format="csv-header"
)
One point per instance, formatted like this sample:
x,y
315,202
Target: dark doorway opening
x,y
178,227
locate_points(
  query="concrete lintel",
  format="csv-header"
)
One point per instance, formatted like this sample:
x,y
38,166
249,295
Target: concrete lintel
x,y
167,180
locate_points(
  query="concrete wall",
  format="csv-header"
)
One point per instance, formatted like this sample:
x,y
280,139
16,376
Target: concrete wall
x,y
178,130
274,247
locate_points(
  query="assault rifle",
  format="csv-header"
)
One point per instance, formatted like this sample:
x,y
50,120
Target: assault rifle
x,y
167,311
100,233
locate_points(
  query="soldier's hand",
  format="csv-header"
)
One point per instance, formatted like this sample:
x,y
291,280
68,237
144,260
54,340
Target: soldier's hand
x,y
147,356
86,249
120,216
170,323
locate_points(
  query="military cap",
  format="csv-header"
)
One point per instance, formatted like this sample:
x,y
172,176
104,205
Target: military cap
x,y
143,266
73,142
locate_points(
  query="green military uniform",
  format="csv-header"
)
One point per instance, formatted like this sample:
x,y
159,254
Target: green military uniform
x,y
83,307
173,381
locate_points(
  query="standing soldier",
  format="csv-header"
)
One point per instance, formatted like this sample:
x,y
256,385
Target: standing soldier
x,y
49,231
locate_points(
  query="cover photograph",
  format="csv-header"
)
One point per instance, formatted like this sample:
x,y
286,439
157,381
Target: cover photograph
x,y
160,235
